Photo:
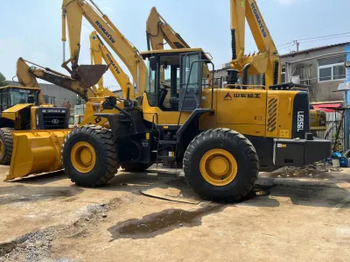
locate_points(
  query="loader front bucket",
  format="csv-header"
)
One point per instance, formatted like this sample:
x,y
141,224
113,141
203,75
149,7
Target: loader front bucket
x,y
35,152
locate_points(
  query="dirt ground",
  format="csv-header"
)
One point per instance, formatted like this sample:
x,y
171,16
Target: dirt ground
x,y
294,216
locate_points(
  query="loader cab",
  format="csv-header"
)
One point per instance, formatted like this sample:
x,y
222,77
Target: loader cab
x,y
176,79
14,95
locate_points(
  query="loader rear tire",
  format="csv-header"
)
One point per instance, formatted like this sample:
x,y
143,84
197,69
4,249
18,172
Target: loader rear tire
x,y
6,145
135,167
90,156
221,165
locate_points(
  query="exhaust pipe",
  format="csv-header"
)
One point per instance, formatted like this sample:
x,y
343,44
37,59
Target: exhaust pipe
x,y
245,76
37,98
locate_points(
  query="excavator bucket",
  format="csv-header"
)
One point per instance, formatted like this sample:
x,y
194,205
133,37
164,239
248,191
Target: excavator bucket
x,y
35,152
89,75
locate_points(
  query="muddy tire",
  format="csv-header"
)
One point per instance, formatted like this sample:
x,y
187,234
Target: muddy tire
x,y
6,145
221,165
135,167
90,156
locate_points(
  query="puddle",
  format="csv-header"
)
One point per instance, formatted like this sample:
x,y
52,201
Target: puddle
x,y
159,223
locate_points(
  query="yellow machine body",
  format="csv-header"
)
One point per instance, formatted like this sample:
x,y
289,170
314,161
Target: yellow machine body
x,y
13,113
318,120
233,110
266,61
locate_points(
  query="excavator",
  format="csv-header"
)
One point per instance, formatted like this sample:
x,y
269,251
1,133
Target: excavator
x,y
265,62
215,134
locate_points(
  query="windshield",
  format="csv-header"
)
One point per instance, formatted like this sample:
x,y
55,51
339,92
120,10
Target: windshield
x,y
21,96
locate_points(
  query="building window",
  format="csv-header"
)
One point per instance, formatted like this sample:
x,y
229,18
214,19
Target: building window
x,y
331,69
283,75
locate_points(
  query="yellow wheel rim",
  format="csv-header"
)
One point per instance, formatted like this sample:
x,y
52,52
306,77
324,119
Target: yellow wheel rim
x,y
83,157
1,147
218,167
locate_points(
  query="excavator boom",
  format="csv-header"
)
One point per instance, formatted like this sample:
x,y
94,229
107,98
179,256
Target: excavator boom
x,y
266,60
100,52
159,33
27,76
73,12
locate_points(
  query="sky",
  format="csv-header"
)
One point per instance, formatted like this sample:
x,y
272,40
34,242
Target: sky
x,y
32,28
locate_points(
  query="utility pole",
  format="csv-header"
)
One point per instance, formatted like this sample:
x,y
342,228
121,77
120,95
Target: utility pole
x,y
297,44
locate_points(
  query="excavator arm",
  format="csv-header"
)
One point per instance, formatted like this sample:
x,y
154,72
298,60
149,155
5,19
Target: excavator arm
x,y
100,52
266,60
27,76
73,12
160,33
94,97
26,79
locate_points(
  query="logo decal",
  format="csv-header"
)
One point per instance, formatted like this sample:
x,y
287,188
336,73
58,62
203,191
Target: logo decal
x,y
259,20
104,30
228,97
55,121
247,95
113,65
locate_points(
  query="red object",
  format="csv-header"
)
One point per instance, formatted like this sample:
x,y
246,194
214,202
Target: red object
x,y
328,107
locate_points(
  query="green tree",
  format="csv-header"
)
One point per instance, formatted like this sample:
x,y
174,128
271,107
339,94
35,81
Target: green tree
x,y
2,80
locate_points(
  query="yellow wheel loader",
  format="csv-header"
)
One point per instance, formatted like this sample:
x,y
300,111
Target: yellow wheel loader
x,y
216,135
222,137
22,108
37,148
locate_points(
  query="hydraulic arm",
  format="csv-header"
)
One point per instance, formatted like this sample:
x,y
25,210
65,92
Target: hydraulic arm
x,y
73,12
266,60
100,52
160,33
27,77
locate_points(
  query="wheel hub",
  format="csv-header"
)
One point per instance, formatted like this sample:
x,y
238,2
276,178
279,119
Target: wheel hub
x,y
218,167
83,157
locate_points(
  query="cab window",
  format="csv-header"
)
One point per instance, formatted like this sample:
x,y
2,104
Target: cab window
x,y
151,85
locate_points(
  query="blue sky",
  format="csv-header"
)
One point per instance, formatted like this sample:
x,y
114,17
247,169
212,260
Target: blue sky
x,y
32,28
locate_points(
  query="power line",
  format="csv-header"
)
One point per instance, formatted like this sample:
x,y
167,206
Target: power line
x,y
312,39
325,36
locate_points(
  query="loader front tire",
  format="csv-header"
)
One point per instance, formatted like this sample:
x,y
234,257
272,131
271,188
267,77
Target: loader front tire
x,y
6,146
221,165
90,156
